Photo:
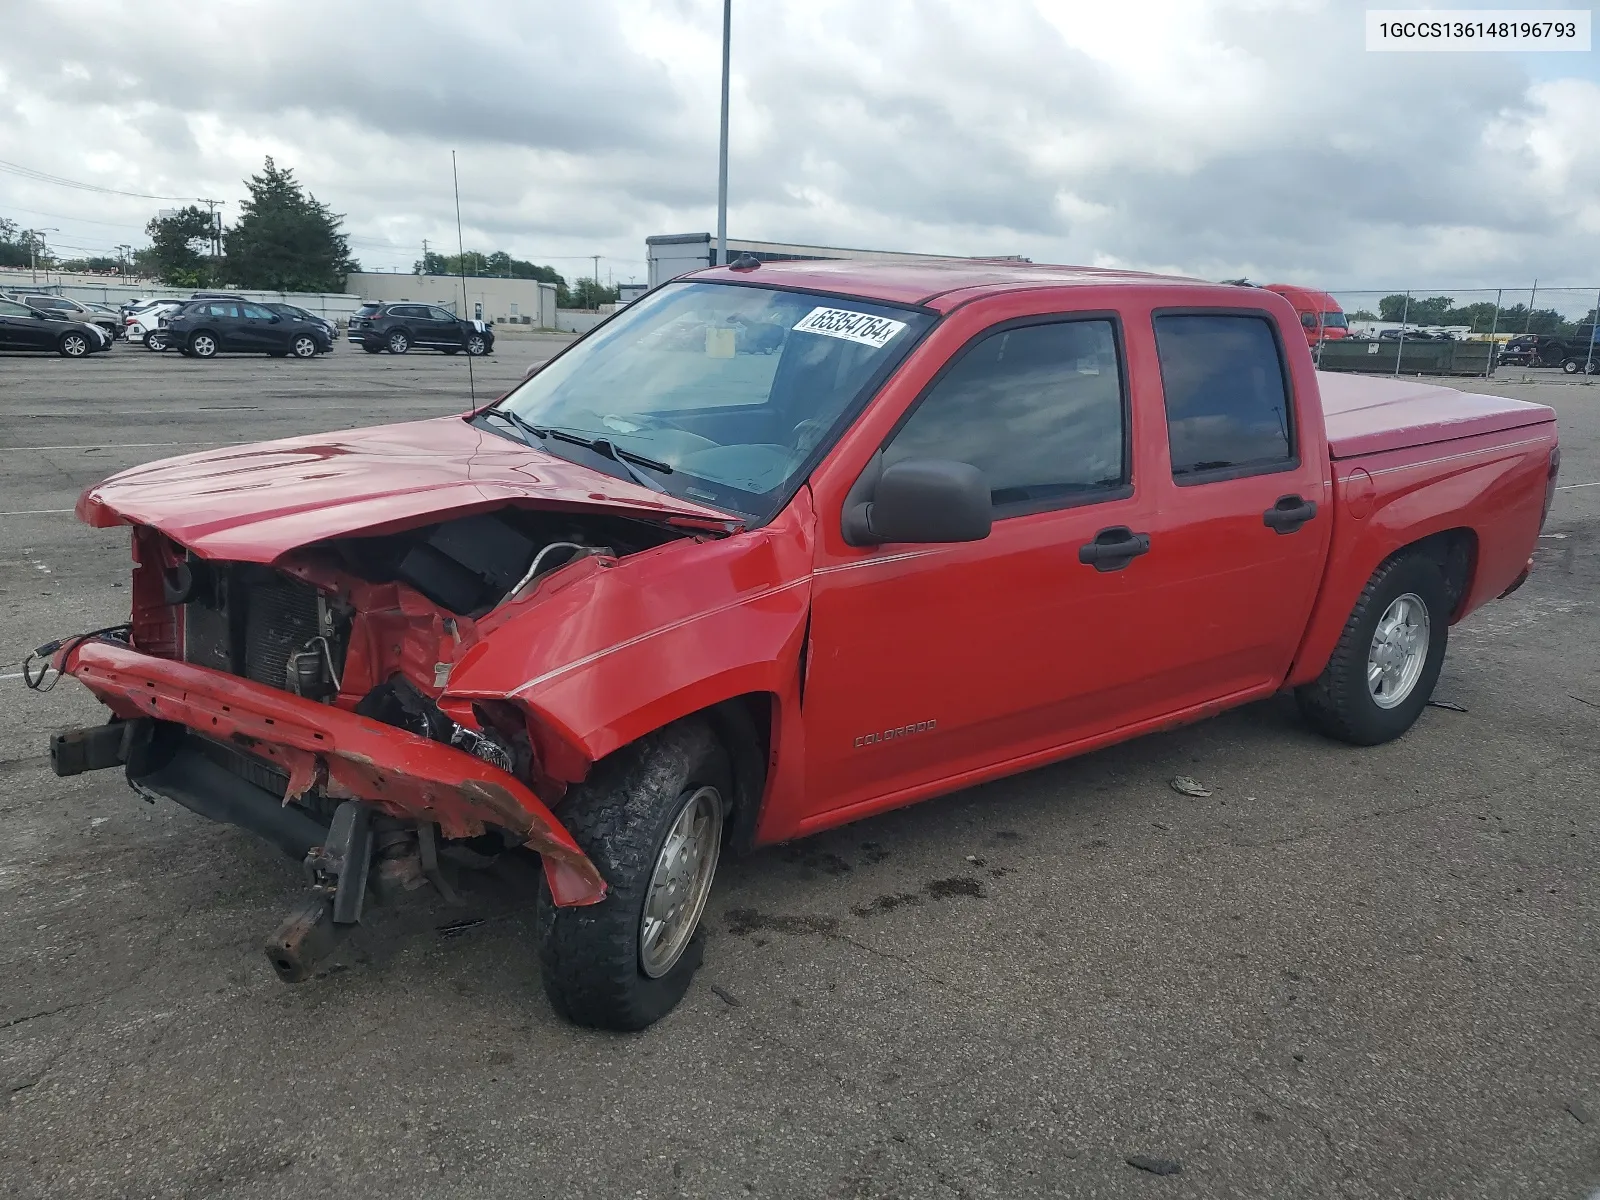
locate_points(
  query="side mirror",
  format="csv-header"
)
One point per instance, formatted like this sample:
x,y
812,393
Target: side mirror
x,y
918,500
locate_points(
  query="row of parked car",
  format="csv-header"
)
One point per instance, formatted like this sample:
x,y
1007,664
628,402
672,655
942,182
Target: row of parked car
x,y
211,323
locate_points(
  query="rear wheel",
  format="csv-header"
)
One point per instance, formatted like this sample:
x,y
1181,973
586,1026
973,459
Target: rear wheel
x,y
73,345
651,818
203,345
1387,661
398,342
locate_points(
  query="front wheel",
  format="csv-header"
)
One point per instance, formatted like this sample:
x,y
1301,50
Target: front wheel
x,y
303,347
651,818
1387,661
73,345
398,343
1572,366
476,345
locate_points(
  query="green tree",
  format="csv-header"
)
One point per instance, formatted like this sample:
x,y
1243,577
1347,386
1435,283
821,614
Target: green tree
x,y
175,255
499,264
95,262
590,293
285,239
1362,314
13,245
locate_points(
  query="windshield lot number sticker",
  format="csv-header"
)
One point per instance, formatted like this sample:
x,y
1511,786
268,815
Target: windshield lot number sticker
x,y
851,326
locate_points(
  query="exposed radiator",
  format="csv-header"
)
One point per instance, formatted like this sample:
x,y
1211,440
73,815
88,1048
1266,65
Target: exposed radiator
x,y
280,618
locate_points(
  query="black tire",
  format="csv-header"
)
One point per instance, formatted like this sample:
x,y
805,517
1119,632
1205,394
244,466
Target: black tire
x,y
73,345
371,349
1571,366
1339,703
304,346
477,345
202,344
450,349
398,342
155,341
620,816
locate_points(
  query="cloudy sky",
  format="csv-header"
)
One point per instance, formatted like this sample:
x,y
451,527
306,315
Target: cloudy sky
x,y
1210,137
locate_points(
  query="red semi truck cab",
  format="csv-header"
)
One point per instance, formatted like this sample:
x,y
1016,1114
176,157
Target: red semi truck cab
x,y
777,547
1319,313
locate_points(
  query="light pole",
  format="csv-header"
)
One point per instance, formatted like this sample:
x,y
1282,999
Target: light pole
x,y
127,253
33,250
722,153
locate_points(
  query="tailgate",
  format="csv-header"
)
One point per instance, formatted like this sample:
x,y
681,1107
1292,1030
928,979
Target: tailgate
x,y
1367,416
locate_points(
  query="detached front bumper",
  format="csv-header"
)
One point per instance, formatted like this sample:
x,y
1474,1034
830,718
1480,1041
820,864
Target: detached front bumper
x,y
346,756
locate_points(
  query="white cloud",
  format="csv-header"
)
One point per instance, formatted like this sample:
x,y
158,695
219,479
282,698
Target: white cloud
x,y
1215,137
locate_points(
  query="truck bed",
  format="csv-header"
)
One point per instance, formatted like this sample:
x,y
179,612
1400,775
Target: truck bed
x,y
1367,416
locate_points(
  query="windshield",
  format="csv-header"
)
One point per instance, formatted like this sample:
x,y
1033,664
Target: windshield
x,y
1334,320
737,390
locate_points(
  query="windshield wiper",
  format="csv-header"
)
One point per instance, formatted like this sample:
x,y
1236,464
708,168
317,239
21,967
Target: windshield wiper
x,y
507,414
604,447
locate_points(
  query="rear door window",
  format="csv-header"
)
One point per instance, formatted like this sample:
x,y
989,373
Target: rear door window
x,y
1228,410
1037,408
255,312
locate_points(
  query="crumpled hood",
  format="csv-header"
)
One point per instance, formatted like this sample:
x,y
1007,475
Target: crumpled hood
x,y
257,502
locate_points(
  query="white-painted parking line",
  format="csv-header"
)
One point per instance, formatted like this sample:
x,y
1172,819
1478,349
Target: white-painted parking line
x,y
1566,487
118,446
35,512
18,675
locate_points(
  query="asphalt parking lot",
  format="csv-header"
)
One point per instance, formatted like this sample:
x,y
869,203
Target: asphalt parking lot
x,y
1346,973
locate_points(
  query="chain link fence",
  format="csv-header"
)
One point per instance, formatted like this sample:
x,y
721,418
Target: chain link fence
x,y
1460,331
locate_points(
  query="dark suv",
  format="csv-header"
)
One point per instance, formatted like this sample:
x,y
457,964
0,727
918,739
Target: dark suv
x,y
204,328
400,326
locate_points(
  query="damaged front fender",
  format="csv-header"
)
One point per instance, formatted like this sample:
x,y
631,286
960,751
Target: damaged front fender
x,y
346,756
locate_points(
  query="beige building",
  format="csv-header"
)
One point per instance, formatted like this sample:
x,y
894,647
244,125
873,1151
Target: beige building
x,y
503,301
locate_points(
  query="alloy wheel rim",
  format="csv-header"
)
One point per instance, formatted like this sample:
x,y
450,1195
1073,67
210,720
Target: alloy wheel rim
x,y
76,346
305,348
1399,650
204,346
681,881
475,346
398,344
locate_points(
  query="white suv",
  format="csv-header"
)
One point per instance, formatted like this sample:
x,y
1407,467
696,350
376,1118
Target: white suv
x,y
146,317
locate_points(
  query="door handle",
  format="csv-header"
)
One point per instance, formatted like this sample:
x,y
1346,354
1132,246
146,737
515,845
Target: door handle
x,y
1289,513
1114,548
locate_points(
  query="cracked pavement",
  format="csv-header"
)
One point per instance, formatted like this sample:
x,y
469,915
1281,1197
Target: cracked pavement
x,y
1344,973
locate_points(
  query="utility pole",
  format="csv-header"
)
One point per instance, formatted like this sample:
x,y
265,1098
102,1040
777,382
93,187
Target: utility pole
x,y
722,152
597,282
125,253
424,270
1532,296
35,240
216,226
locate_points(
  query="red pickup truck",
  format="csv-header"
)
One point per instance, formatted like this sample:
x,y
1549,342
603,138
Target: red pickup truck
x,y
777,547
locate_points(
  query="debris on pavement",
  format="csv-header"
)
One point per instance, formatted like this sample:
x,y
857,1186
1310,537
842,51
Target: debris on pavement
x,y
1156,1166
1579,1113
726,996
1447,704
1185,786
452,929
